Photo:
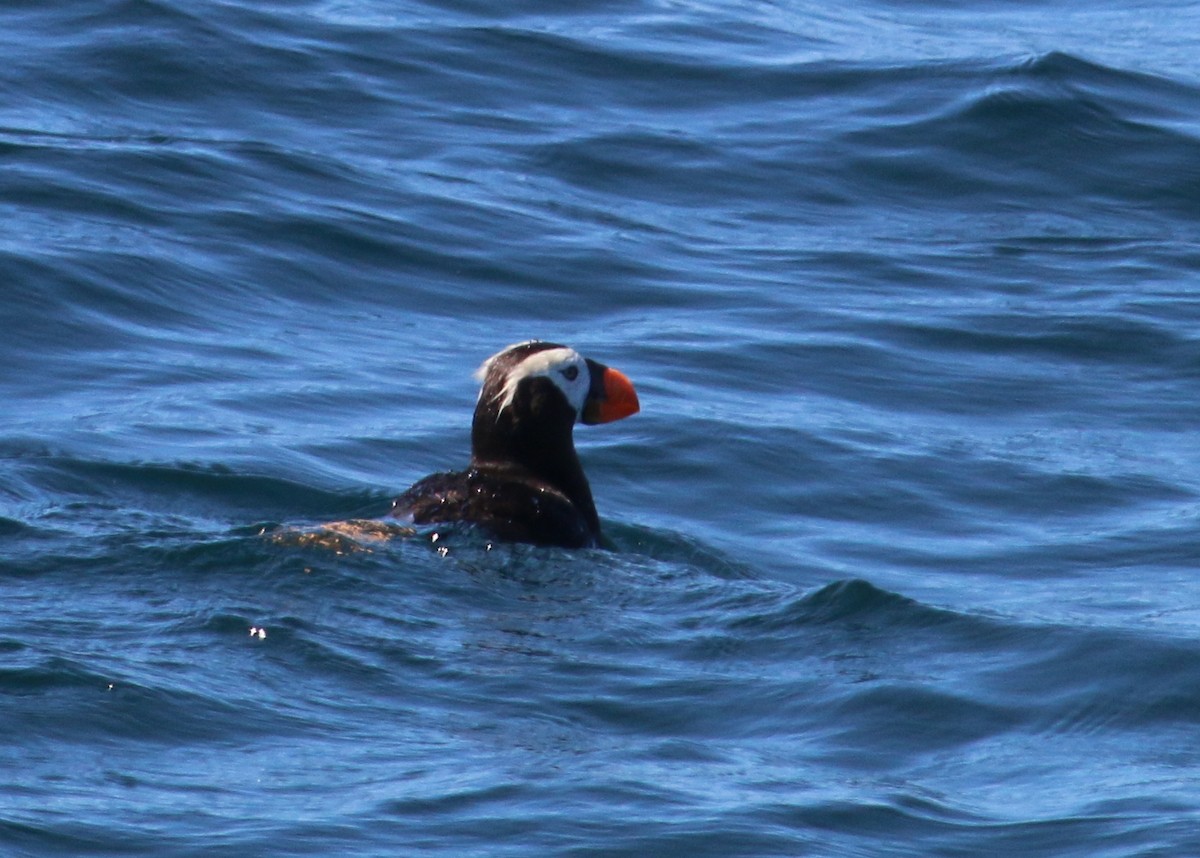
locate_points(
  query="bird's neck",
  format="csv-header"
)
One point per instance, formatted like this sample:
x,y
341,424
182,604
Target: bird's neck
x,y
547,456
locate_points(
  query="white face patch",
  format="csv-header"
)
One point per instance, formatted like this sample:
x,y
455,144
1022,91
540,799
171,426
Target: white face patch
x,y
563,366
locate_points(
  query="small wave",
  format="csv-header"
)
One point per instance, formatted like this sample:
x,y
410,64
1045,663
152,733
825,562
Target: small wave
x,y
1055,129
13,527
199,488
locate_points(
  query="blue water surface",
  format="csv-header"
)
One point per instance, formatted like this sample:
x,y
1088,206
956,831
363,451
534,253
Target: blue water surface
x,y
906,534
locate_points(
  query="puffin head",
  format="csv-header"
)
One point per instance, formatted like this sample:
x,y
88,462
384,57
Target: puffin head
x,y
547,384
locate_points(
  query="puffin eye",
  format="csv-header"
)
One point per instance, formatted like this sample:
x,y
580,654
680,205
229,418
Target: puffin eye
x,y
571,373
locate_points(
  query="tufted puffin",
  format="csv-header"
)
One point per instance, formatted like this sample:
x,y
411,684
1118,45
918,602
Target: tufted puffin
x,y
525,483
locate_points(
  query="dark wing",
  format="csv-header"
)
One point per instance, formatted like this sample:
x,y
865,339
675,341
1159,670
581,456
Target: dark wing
x,y
509,507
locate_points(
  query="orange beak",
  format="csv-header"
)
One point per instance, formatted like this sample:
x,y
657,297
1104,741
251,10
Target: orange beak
x,y
611,397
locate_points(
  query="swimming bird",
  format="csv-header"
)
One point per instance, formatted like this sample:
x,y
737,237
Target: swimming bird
x,y
525,482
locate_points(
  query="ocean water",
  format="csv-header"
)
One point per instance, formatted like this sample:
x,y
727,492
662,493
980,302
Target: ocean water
x,y
907,534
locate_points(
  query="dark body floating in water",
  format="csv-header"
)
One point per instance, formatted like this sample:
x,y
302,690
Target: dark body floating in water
x,y
525,483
